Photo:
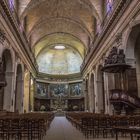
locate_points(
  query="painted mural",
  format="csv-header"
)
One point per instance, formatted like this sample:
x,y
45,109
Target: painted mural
x,y
76,89
42,90
59,90
66,61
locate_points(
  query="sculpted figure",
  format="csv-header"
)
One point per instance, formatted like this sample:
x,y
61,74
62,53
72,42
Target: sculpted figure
x,y
121,56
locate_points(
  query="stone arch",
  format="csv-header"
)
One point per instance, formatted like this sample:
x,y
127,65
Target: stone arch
x,y
100,89
18,107
45,20
8,68
32,4
131,41
132,50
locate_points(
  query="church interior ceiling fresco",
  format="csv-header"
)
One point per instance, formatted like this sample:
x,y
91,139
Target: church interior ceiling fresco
x,y
63,61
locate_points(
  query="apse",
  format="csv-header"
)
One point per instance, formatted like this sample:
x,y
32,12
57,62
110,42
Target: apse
x,y
59,59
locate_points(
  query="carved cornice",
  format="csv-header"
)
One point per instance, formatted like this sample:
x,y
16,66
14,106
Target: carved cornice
x,y
2,36
119,39
60,78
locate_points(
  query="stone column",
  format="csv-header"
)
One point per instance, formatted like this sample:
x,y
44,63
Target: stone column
x,y
85,95
91,93
107,85
96,96
138,76
106,92
26,93
8,91
32,94
99,96
19,96
1,50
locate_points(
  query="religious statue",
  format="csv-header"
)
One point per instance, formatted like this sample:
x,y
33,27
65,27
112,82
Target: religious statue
x,y
121,56
115,57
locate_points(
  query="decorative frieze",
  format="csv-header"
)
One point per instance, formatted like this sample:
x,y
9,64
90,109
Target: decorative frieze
x,y
2,36
115,62
119,40
115,57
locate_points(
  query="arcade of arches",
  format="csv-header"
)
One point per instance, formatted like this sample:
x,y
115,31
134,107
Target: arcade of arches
x,y
70,55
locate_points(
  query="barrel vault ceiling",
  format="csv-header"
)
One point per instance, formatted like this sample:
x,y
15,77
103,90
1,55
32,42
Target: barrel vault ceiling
x,y
67,22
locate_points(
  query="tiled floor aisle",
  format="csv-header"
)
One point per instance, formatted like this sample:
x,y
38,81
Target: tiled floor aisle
x,y
61,129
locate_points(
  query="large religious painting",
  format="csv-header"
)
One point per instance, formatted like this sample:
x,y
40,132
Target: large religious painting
x,y
66,61
42,90
76,89
59,90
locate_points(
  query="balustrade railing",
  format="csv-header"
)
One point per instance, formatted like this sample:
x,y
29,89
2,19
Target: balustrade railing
x,y
125,97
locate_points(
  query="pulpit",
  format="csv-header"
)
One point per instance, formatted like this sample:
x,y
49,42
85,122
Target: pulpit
x,y
115,63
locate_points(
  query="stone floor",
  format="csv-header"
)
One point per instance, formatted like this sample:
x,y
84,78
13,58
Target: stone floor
x,y
61,129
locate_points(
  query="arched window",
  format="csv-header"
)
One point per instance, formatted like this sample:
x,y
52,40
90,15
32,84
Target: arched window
x,y
109,6
11,4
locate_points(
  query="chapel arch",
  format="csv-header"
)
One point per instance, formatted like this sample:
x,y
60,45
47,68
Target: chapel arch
x,y
133,58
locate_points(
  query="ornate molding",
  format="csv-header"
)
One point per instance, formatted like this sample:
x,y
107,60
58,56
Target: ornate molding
x,y
115,62
119,39
2,36
115,57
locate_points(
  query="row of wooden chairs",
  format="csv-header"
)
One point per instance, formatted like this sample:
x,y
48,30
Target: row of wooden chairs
x,y
100,125
27,126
